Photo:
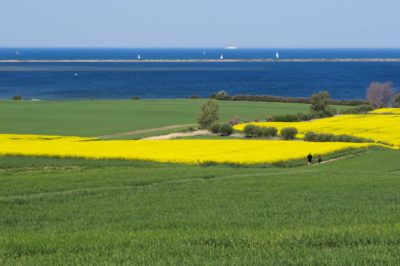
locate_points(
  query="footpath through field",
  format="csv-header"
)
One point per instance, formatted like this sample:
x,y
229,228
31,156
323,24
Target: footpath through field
x,y
143,131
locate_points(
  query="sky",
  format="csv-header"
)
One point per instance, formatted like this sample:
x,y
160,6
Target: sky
x,y
205,23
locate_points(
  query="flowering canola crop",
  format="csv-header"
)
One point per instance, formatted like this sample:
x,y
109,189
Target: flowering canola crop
x,y
176,151
386,110
380,128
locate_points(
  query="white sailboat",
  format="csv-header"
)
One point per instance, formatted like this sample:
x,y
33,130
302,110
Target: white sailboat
x,y
277,55
138,57
221,57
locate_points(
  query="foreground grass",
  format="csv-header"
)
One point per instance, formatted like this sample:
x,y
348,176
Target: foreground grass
x,y
120,212
102,117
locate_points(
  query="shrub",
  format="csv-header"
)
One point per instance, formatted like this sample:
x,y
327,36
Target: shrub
x,y
135,98
269,119
310,136
226,129
17,97
365,108
221,95
258,132
234,121
396,101
215,128
324,137
288,132
286,118
270,131
249,130
305,117
208,114
256,119
195,97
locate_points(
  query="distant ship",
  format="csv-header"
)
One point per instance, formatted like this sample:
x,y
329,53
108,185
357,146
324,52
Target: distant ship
x,y
231,47
17,52
221,57
76,74
277,55
138,57
204,52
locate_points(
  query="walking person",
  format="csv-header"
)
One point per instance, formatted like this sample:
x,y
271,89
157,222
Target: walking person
x,y
319,159
309,158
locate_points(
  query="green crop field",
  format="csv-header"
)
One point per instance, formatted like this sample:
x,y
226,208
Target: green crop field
x,y
102,117
73,211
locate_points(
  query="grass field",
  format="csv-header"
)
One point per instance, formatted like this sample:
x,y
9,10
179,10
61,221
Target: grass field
x,y
102,117
112,212
71,211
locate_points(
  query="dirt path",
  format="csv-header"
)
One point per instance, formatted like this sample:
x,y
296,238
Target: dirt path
x,y
179,135
335,159
143,131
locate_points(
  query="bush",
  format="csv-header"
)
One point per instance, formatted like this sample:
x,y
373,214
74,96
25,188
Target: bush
x,y
305,117
396,101
195,97
270,131
17,97
221,95
225,129
215,128
135,98
234,121
310,136
190,129
258,132
362,109
208,114
249,130
288,132
269,119
286,118
324,137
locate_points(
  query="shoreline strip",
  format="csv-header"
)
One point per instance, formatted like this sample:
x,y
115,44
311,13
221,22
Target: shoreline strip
x,y
201,60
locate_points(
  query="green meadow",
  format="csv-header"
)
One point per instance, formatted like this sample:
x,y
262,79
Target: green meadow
x,y
91,118
69,211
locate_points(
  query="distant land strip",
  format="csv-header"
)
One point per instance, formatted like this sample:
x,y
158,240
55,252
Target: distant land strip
x,y
202,60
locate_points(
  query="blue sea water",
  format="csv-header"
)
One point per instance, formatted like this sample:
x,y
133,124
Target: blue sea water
x,y
58,81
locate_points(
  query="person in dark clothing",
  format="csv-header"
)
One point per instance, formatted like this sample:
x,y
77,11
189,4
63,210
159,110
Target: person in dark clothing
x,y
309,157
319,159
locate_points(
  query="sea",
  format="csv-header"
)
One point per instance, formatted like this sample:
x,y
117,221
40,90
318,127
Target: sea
x,y
123,80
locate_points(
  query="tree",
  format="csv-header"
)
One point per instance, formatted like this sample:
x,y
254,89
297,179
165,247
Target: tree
x,y
379,94
208,114
396,101
320,104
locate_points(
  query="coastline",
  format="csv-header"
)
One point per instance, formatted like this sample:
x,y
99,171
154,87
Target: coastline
x,y
200,60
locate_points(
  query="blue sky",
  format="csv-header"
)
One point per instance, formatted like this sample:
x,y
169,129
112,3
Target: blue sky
x,y
205,23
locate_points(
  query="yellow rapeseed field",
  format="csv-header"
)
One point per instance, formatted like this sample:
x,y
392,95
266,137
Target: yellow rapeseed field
x,y
382,128
176,151
386,110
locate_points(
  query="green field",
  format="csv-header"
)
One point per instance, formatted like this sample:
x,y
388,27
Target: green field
x,y
71,211
102,117
112,212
